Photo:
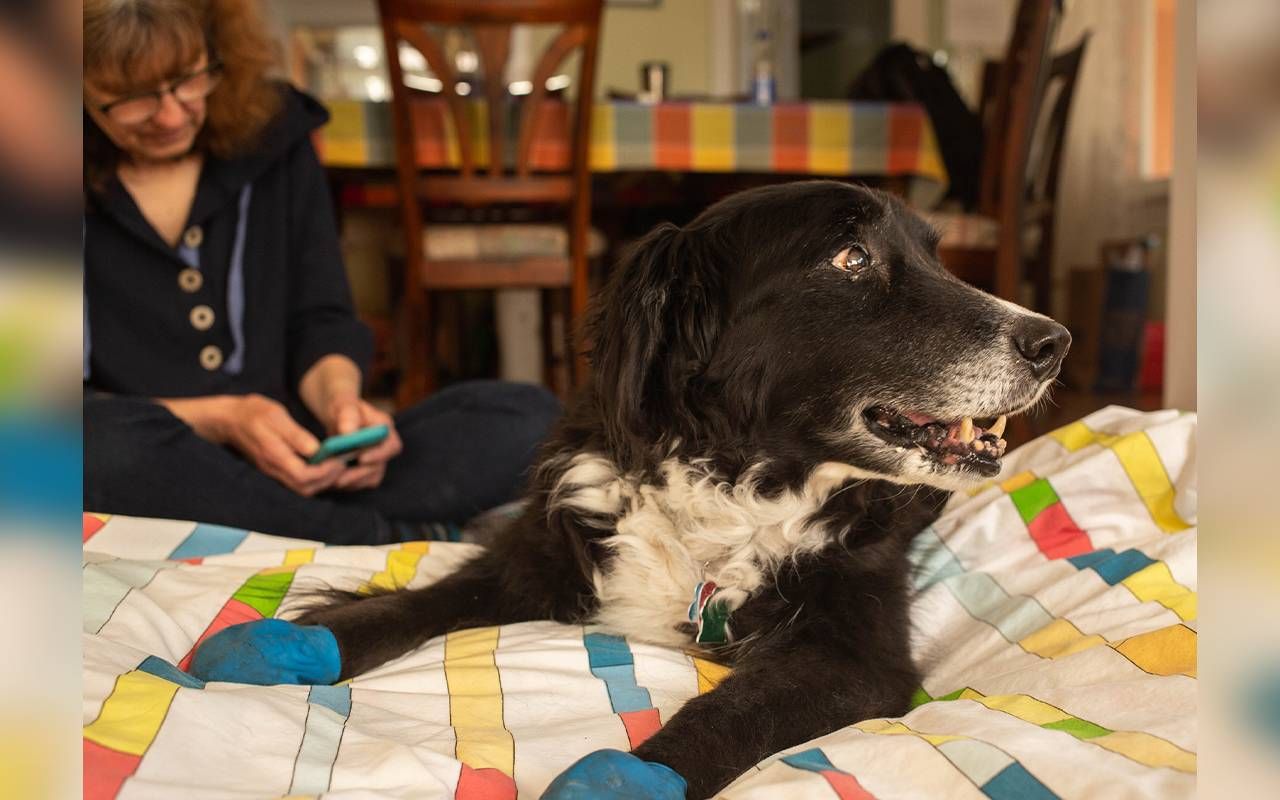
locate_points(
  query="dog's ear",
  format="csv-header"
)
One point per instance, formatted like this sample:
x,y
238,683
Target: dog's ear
x,y
653,332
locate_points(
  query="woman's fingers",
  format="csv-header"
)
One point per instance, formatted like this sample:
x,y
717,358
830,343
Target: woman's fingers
x,y
299,439
283,463
385,450
361,477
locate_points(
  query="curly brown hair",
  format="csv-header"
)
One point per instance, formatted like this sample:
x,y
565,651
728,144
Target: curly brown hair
x,y
139,43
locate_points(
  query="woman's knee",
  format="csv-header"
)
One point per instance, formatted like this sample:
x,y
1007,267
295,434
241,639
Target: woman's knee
x,y
120,434
527,407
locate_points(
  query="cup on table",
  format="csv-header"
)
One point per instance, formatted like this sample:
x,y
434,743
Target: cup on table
x,y
653,81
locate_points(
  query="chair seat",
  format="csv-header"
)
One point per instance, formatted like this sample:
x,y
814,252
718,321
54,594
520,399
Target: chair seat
x,y
965,231
503,242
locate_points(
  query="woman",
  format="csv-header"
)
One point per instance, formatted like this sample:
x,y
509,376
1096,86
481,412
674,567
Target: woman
x,y
220,340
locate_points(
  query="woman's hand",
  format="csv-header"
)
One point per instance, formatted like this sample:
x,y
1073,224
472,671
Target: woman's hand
x,y
331,389
263,431
371,465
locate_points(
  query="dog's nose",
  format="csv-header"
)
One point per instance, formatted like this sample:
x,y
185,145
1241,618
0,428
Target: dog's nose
x,y
1043,343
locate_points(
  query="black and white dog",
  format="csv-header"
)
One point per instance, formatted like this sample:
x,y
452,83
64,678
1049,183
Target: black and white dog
x,y
783,393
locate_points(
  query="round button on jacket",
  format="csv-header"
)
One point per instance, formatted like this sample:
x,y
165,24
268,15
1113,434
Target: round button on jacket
x,y
211,357
193,236
190,280
202,318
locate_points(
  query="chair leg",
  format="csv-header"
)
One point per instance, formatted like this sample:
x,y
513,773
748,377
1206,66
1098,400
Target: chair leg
x,y
1008,277
1042,271
417,374
557,350
580,285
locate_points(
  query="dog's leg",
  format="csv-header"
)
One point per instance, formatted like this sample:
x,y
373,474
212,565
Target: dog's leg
x,y
373,630
832,650
772,702
527,576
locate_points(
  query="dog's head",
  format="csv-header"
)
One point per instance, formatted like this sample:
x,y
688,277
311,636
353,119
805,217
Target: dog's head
x,y
813,321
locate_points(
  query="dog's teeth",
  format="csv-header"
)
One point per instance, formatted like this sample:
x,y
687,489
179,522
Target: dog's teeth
x,y
997,428
966,430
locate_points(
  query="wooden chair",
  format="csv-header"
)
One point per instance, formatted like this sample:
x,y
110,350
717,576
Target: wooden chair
x,y
1046,166
496,184
988,248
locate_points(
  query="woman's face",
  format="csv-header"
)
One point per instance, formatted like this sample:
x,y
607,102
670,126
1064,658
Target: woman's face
x,y
170,132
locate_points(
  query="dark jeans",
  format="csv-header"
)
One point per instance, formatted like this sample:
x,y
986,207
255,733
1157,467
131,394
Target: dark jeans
x,y
466,449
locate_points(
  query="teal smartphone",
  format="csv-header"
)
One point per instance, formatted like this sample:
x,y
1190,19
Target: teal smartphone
x,y
347,443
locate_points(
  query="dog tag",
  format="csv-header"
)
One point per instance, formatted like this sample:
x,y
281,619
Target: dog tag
x,y
710,616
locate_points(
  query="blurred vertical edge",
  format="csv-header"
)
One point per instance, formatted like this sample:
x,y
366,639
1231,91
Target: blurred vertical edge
x,y
40,452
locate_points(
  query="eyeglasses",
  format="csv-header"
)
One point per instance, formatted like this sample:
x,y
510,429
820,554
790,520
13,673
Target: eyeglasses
x,y
139,108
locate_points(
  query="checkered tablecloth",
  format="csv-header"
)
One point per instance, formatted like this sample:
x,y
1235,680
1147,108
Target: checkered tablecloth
x,y
821,138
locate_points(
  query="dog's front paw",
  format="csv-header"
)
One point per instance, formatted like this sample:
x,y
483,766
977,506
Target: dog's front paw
x,y
267,652
615,775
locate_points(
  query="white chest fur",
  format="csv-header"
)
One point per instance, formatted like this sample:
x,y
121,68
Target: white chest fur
x,y
668,538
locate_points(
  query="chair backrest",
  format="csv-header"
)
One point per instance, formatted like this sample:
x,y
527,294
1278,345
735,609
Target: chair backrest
x,y
1012,93
1049,142
490,23
1019,90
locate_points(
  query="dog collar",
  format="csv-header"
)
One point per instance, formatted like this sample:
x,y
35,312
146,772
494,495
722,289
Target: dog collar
x,y
710,615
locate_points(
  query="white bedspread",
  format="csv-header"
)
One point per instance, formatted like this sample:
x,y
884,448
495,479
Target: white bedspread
x,y
1055,620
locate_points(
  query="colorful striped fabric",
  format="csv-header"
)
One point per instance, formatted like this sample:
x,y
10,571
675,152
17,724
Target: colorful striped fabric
x,y
813,138
1055,618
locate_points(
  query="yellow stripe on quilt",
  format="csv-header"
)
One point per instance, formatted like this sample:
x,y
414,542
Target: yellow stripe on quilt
x,y
402,565
1007,486
1024,707
604,153
882,726
713,137
709,674
303,555
1147,749
1074,436
886,728
1059,639
1138,455
1167,651
132,714
936,739
830,138
475,700
1141,462
1155,583
1022,479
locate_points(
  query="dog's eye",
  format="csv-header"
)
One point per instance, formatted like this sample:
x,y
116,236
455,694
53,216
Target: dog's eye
x,y
851,259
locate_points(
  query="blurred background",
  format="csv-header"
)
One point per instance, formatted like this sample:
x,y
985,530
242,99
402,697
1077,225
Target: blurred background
x,y
693,100
1158,166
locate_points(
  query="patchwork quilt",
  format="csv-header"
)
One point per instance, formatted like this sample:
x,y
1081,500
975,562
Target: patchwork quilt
x,y
1055,620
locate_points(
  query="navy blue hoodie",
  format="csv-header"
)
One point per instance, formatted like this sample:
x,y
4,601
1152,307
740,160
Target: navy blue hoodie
x,y
253,295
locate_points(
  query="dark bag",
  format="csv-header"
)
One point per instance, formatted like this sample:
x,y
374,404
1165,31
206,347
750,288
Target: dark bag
x,y
901,73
